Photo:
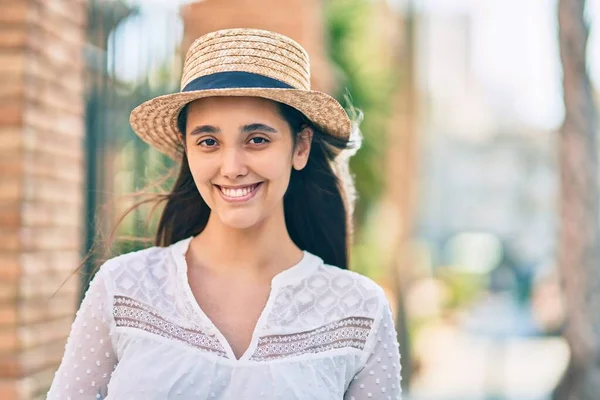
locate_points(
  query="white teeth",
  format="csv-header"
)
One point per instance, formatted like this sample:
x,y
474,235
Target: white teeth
x,y
237,192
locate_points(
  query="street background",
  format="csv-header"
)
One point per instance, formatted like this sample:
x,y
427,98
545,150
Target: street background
x,y
458,179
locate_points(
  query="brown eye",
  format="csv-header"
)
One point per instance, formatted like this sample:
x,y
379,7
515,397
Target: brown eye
x,y
261,140
208,142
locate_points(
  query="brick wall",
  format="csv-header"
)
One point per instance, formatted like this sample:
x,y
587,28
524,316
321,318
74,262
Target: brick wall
x,y
41,187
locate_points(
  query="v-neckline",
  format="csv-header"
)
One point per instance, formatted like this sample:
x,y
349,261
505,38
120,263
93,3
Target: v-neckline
x,y
292,274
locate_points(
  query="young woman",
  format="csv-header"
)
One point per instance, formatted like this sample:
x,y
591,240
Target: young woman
x,y
246,294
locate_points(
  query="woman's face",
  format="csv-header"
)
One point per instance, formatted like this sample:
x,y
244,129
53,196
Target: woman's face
x,y
240,151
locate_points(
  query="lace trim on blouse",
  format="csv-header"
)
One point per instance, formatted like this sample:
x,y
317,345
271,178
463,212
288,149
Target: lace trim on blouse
x,y
347,332
134,314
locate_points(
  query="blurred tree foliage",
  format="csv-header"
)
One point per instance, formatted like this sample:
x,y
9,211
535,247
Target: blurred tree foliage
x,y
138,167
357,52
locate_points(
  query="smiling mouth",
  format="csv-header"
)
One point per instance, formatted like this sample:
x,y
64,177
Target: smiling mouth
x,y
241,194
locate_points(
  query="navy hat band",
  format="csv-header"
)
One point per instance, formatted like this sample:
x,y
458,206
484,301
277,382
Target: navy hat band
x,y
234,80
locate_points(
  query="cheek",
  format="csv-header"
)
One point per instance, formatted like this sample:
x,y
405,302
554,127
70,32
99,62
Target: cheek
x,y
202,173
274,168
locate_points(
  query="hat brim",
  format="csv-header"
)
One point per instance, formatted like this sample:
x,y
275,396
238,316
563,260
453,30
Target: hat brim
x,y
155,121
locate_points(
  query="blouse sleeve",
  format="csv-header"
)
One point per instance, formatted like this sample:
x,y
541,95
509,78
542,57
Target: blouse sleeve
x,y
89,357
380,377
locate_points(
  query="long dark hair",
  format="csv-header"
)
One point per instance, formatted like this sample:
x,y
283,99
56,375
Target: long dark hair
x,y
314,206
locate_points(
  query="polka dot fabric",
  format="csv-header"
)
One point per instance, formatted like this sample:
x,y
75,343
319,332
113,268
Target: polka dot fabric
x,y
380,377
89,357
139,334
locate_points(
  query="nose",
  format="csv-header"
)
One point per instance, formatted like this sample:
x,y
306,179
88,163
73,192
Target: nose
x,y
233,164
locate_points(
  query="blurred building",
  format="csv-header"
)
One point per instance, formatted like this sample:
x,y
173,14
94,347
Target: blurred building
x,y
302,20
485,170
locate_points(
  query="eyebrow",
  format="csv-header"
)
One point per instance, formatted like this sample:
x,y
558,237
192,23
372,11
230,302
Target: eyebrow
x,y
204,129
243,129
257,127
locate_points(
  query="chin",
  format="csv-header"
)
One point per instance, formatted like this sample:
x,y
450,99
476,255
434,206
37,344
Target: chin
x,y
240,221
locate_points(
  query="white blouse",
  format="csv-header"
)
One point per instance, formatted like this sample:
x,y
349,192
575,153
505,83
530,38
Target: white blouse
x,y
325,333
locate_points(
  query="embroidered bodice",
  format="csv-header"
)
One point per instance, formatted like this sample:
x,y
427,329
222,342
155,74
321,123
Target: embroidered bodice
x,y
325,333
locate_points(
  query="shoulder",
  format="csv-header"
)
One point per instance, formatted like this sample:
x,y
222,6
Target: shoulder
x,y
147,255
353,294
136,267
140,258
343,280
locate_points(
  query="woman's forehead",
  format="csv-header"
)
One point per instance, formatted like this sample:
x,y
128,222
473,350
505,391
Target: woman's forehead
x,y
235,113
233,103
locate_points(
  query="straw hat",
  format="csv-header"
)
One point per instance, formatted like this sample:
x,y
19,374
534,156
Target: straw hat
x,y
239,62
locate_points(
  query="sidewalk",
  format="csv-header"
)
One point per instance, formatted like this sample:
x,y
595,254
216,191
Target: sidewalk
x,y
459,365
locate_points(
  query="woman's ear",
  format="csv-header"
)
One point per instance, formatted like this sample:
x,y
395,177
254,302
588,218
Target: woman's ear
x,y
302,150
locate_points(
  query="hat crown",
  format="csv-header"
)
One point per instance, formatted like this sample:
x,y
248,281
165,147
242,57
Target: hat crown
x,y
248,50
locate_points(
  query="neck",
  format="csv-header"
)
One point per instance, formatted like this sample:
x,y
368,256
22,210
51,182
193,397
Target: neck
x,y
264,247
